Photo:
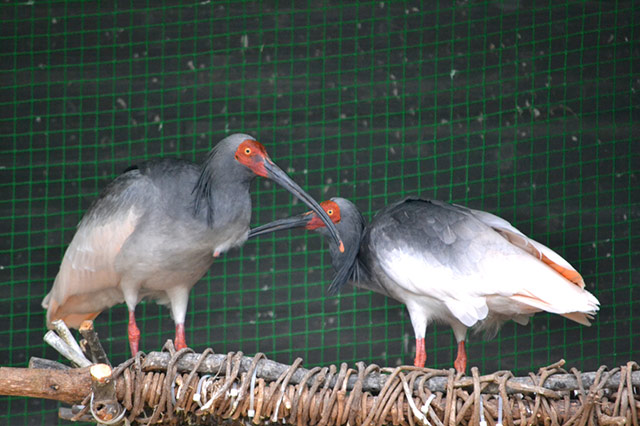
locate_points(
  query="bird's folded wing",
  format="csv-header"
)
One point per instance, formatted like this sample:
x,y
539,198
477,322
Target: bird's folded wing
x,y
88,266
462,257
536,249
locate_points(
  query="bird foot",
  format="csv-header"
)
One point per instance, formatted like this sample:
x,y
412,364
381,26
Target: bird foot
x,y
460,363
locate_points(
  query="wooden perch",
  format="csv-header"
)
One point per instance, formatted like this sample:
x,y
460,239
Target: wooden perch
x,y
104,402
154,391
163,386
47,364
65,344
374,382
92,343
69,386
72,386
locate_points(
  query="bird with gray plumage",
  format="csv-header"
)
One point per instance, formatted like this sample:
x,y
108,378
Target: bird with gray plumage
x,y
156,229
448,263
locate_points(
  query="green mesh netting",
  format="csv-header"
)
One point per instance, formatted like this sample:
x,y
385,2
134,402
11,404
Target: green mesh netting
x,y
524,109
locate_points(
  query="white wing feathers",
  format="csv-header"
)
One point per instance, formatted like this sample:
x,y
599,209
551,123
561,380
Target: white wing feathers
x,y
542,252
510,275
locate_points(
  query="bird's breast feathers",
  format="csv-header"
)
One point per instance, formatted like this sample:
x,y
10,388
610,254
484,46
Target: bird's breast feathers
x,y
228,240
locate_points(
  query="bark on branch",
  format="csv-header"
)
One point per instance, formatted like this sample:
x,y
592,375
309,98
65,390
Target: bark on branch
x,y
69,386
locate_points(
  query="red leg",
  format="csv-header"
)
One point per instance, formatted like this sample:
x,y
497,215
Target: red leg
x,y
181,341
421,354
134,334
461,360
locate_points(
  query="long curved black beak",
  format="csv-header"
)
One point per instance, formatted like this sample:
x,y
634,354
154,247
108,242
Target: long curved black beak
x,y
298,221
276,174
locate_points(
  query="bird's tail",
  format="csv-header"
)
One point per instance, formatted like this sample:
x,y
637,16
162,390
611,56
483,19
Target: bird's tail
x,y
72,320
569,301
566,296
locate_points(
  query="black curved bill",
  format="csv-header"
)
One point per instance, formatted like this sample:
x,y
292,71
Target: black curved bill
x,y
276,174
299,221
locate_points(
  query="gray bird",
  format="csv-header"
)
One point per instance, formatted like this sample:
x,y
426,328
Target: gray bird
x,y
447,263
156,229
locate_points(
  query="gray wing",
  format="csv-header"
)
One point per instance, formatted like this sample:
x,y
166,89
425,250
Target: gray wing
x,y
431,249
449,234
463,258
88,264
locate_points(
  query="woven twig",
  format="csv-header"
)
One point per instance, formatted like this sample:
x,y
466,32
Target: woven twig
x,y
330,396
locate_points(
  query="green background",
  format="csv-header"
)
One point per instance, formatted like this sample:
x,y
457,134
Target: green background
x,y
529,110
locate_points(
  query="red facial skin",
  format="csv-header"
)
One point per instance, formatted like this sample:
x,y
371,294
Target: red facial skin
x,y
253,155
333,211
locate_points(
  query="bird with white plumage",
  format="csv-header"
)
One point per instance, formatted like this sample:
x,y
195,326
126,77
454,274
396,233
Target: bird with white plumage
x,y
448,263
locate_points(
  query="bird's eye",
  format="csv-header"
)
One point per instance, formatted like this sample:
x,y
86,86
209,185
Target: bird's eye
x,y
247,151
330,212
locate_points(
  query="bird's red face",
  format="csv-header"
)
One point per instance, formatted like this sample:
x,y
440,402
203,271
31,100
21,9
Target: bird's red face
x,y
253,154
332,210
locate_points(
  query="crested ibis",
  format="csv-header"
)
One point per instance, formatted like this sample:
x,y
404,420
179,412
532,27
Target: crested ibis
x,y
448,263
156,229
